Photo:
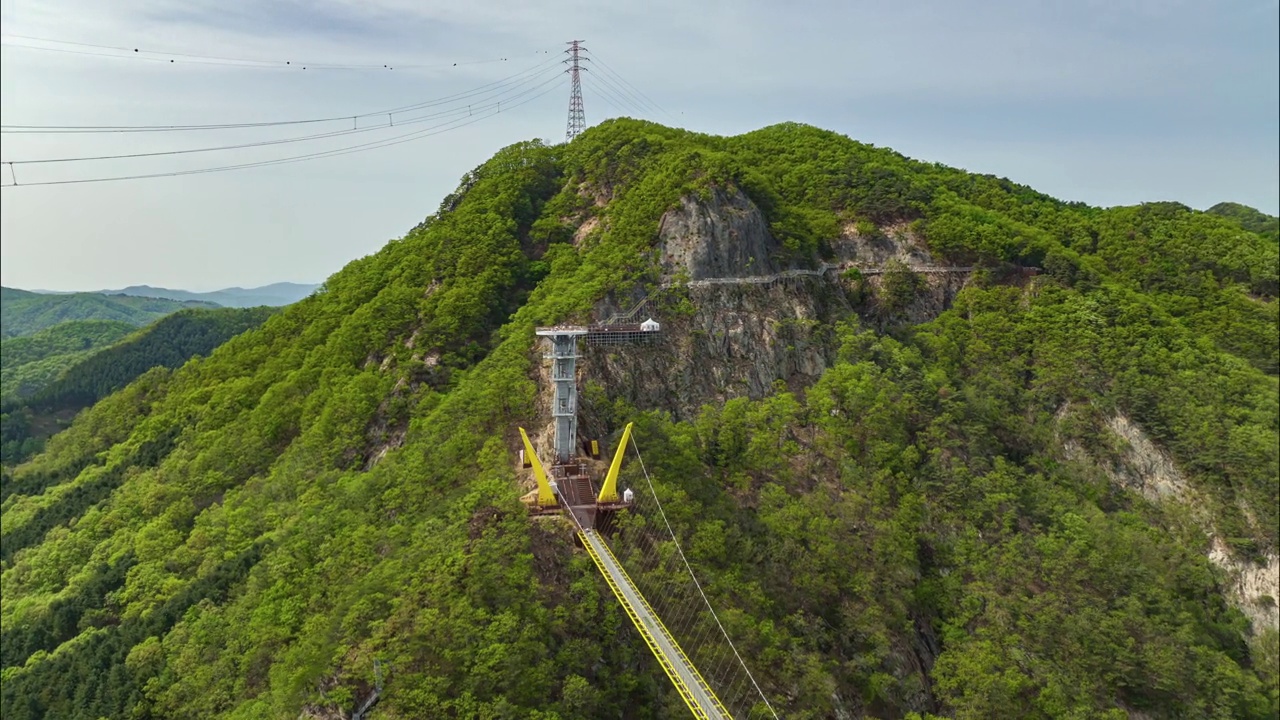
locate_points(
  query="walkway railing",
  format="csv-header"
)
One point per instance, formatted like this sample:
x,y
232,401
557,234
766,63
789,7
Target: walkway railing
x,y
821,271
693,689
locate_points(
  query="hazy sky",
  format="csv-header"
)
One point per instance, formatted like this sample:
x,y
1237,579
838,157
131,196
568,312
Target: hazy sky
x,y
1106,101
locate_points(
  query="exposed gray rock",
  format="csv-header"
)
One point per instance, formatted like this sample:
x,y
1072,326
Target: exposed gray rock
x,y
721,341
723,236
739,341
891,242
937,293
1148,469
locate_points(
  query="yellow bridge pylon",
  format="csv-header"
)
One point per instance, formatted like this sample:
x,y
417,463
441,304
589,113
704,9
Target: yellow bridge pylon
x,y
689,683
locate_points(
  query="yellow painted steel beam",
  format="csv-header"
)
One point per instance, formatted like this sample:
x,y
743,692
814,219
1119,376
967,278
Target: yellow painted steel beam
x,y
546,498
609,491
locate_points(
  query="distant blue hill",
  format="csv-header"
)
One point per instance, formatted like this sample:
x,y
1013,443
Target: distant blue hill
x,y
275,295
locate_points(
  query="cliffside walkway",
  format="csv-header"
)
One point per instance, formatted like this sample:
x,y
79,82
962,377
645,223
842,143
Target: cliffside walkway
x,y
820,271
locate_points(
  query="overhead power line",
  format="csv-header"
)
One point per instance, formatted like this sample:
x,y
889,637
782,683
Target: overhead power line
x,y
478,104
445,100
164,56
631,98
596,61
615,91
609,89
611,103
493,102
621,104
528,96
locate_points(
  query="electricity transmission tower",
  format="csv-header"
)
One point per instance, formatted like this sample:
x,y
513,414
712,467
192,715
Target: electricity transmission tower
x,y
577,118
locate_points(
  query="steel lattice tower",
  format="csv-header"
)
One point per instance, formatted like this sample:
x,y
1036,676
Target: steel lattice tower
x,y
577,118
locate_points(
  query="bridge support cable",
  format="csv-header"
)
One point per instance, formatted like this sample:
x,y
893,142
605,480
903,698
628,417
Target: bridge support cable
x,y
651,561
693,688
685,561
646,551
689,683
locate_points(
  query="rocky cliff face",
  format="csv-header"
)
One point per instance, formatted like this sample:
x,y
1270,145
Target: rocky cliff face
x,y
879,246
1147,469
725,235
898,245
744,337
724,340
731,341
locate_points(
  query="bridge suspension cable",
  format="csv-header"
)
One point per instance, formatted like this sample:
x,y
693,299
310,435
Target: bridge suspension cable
x,y
690,684
688,568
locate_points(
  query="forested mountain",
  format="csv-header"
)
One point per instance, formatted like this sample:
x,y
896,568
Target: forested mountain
x,y
1250,219
90,375
1041,487
24,313
31,362
274,295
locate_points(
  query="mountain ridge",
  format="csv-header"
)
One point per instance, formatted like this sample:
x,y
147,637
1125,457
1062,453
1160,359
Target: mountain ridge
x,y
895,490
24,313
274,294
48,388
1250,219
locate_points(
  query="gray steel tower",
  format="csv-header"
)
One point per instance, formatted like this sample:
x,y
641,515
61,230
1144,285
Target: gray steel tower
x,y
577,117
564,403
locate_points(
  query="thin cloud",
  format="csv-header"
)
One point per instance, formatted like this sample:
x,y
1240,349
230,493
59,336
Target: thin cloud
x,y
1106,102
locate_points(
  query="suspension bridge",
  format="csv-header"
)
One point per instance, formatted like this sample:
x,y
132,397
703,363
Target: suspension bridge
x,y
679,626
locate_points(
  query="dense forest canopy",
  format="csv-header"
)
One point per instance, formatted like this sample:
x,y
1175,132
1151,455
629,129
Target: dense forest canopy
x,y
61,384
29,363
1268,226
933,527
